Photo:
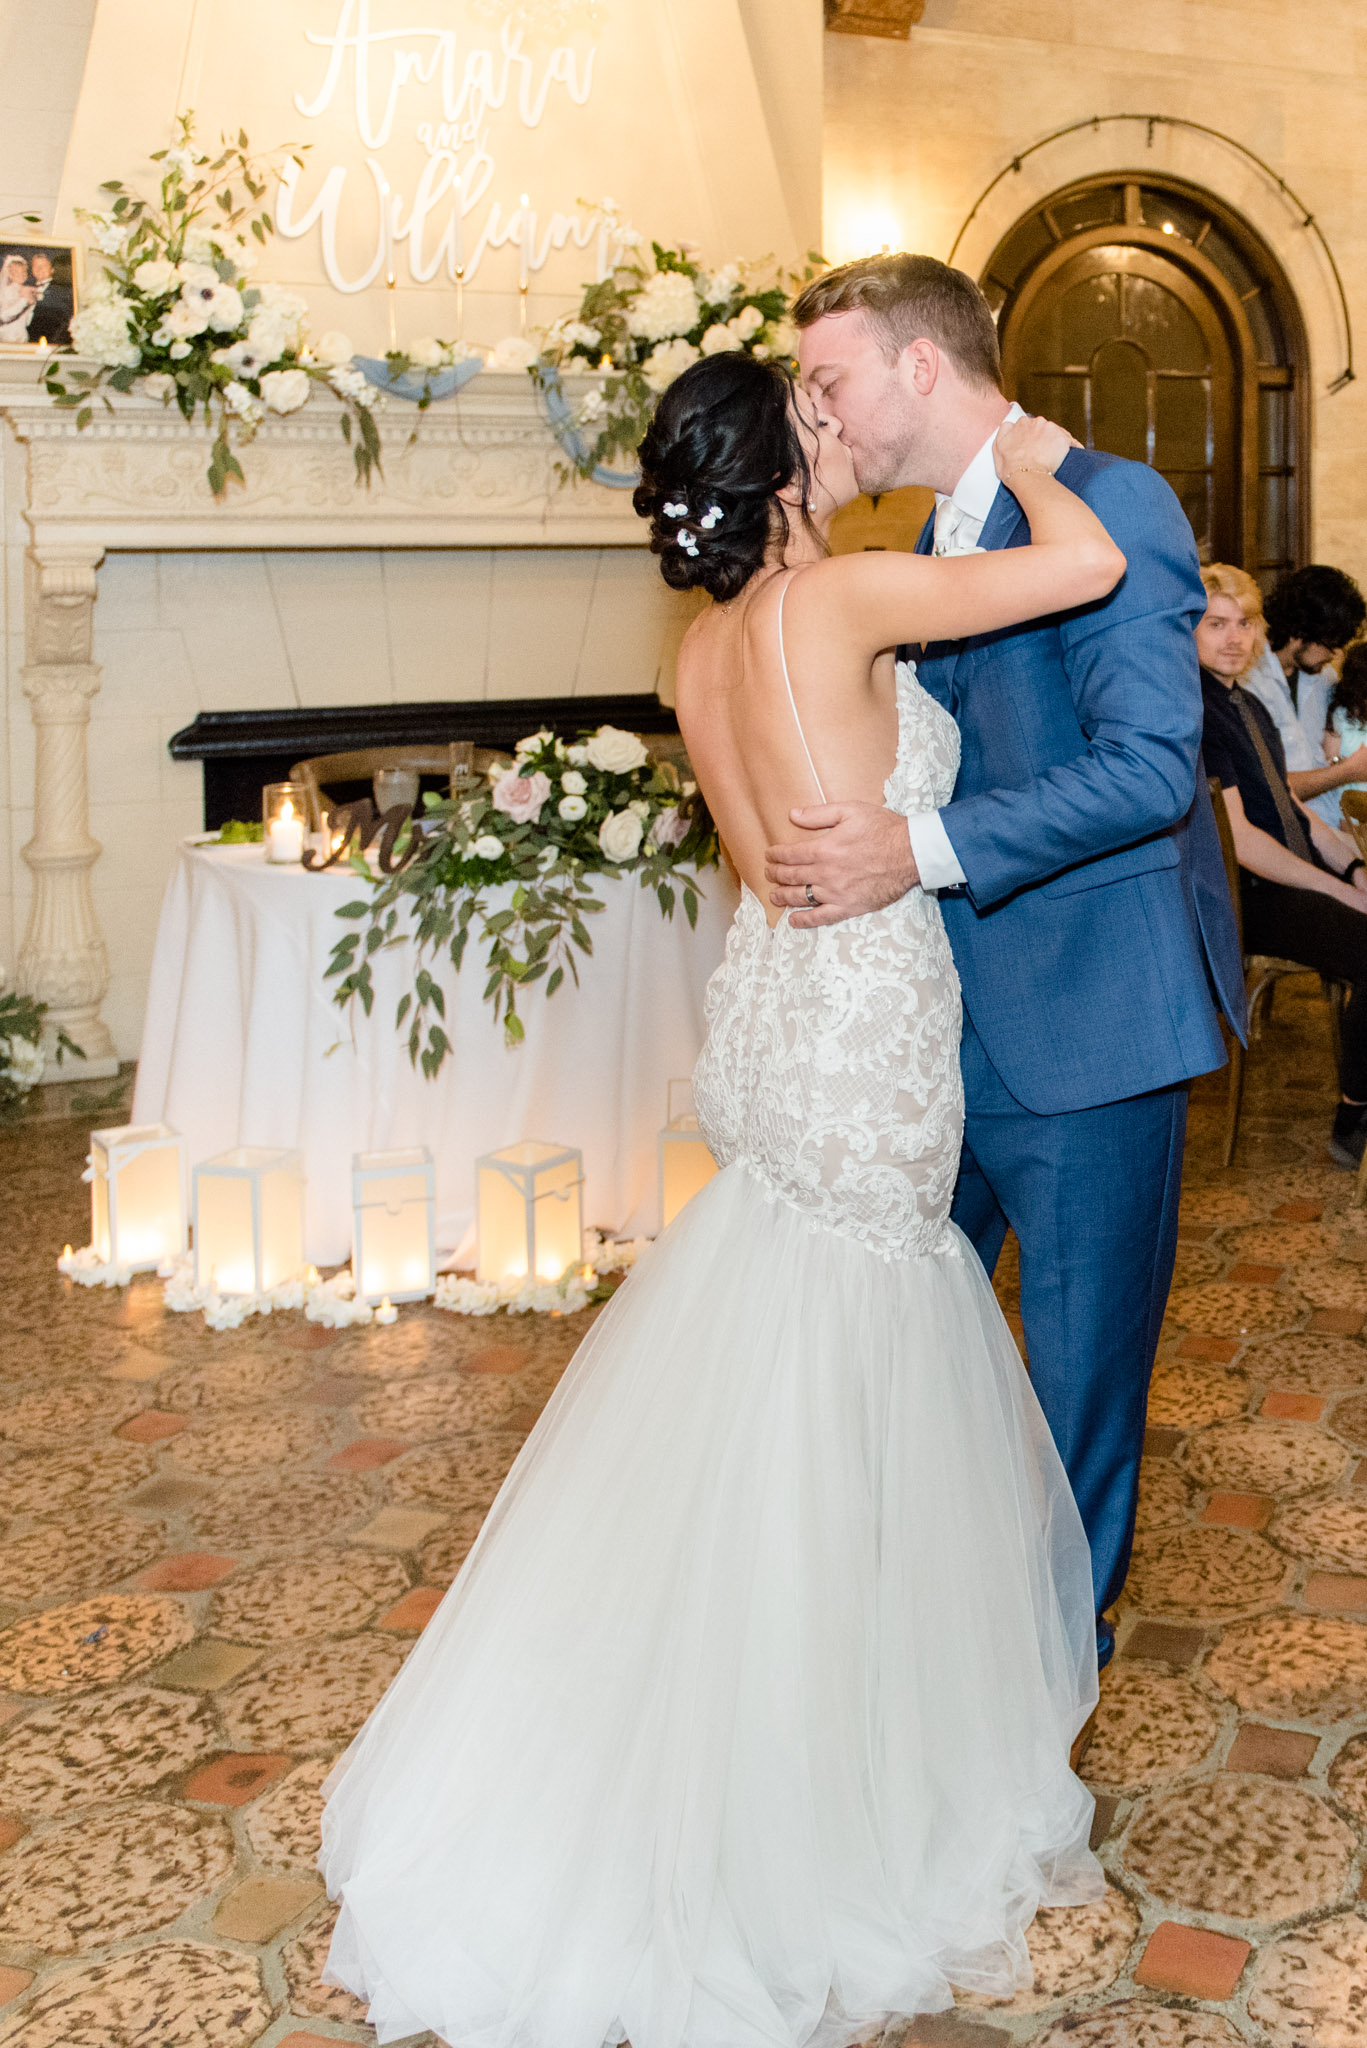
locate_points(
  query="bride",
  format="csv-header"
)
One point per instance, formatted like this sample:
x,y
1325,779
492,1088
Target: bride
x,y
746,1723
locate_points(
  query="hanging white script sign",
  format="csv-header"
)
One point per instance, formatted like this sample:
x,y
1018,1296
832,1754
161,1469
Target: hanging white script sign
x,y
460,88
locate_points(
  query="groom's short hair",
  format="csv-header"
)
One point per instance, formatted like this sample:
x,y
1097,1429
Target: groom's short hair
x,y
908,298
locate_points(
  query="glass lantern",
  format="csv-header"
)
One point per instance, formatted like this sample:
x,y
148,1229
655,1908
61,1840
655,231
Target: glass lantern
x,y
249,1220
529,1210
686,1165
394,1225
137,1195
285,822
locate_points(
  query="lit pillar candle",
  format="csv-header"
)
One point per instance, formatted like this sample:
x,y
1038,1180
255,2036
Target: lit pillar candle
x,y
286,836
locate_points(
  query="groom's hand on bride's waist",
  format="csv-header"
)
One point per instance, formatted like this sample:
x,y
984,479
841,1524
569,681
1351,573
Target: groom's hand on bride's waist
x,y
852,857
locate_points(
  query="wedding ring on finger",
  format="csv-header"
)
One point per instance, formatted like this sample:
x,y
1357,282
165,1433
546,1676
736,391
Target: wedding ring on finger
x,y
810,894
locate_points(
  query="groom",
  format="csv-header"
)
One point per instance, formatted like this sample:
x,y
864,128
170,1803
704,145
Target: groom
x,y
1077,865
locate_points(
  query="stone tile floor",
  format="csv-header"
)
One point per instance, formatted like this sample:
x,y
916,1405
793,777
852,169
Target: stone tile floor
x,y
215,1550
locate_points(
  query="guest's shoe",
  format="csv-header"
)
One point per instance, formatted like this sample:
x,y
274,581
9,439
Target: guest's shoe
x,y
1349,1137
1082,1742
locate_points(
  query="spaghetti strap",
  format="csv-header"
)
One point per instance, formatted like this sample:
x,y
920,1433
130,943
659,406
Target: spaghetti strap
x,y
787,684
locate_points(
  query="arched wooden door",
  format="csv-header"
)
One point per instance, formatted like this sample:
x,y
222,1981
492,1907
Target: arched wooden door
x,y
1153,323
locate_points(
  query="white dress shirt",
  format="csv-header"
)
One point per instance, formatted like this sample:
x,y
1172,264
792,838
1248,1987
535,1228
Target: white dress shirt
x,y
959,521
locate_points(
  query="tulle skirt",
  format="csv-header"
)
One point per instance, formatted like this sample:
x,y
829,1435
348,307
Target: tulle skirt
x,y
747,1719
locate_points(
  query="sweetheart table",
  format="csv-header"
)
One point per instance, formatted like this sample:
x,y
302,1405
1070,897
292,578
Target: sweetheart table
x,y
243,1044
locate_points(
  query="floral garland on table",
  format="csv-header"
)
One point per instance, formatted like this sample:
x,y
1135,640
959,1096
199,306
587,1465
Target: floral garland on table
x,y
641,327
175,312
546,823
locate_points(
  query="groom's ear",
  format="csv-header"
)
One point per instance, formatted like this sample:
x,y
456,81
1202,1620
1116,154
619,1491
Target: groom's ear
x,y
919,364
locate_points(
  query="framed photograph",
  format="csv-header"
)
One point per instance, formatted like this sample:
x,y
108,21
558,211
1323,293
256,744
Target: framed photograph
x,y
39,280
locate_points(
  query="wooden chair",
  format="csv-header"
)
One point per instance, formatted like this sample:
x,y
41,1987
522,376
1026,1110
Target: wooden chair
x,y
365,762
1262,972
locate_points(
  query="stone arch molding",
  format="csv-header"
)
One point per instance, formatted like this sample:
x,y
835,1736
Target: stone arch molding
x,y
1203,160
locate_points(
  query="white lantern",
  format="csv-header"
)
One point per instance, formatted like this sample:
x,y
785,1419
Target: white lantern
x,y
686,1165
137,1195
249,1220
528,1206
394,1224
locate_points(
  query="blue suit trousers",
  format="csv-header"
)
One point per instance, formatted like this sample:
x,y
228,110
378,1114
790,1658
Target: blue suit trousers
x,y
1092,1196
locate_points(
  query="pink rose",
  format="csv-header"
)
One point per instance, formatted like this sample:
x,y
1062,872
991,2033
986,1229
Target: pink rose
x,y
670,827
520,797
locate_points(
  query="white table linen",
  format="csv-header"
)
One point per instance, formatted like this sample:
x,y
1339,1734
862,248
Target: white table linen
x,y
243,1044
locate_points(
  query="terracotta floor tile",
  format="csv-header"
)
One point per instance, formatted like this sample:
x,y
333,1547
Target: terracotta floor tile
x,y
153,1426
1337,1322
1192,1962
1194,1233
1336,1593
1161,1442
415,1609
191,1571
1271,1752
1256,1276
1298,1212
234,1780
368,1453
1292,1407
261,1907
1221,1350
12,1830
205,1666
1239,1510
335,1390
500,1358
1165,1642
12,1982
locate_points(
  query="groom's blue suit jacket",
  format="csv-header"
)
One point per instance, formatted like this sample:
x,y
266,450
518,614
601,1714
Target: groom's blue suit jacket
x,y
1095,934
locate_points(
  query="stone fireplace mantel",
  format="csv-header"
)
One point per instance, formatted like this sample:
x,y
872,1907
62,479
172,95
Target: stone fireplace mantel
x,y
477,470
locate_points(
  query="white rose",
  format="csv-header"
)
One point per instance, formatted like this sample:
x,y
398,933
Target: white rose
x,y
178,351
748,321
155,276
334,347
620,835
184,318
579,755
572,809
427,354
199,249
269,334
487,847
159,385
667,362
640,806
285,390
573,783
533,743
614,752
666,305
514,352
718,339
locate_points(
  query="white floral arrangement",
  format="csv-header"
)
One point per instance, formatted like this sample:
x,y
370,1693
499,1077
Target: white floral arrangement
x,y
22,1060
173,311
647,322
545,822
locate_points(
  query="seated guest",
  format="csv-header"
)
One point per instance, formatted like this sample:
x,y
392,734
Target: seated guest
x,y
1303,887
1311,613
1345,735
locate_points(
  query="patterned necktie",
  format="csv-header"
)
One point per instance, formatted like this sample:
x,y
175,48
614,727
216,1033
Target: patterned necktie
x,y
1297,841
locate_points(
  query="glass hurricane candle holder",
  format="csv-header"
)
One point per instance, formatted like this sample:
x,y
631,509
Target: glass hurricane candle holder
x,y
394,1225
686,1165
249,1220
528,1204
137,1195
284,818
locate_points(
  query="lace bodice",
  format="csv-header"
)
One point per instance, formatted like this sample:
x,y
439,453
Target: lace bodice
x,y
831,1066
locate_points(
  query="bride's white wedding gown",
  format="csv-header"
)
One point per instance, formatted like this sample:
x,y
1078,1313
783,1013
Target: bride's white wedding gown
x,y
746,1722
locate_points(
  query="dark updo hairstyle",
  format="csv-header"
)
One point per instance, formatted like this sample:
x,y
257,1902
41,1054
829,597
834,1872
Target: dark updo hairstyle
x,y
724,441
1349,694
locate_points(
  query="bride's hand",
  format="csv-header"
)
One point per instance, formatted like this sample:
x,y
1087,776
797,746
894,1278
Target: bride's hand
x,y
1031,443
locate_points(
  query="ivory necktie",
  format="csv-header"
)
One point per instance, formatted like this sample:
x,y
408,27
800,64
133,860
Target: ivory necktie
x,y
949,522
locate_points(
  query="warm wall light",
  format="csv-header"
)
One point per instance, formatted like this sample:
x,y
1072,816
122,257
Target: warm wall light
x,y
137,1195
529,1212
394,1225
249,1220
686,1165
866,230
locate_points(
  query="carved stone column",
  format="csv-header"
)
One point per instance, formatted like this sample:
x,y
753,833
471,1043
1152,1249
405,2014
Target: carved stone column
x,y
62,960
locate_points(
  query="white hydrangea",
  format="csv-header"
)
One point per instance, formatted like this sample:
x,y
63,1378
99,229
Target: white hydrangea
x,y
578,333
720,286
783,338
286,306
719,338
268,335
666,362
748,321
667,305
514,352
100,330
285,390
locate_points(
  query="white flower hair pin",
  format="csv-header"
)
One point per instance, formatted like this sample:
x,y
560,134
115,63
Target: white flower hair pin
x,y
711,517
688,541
673,511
